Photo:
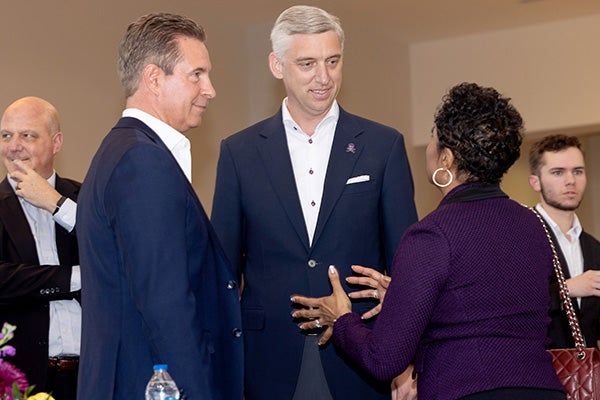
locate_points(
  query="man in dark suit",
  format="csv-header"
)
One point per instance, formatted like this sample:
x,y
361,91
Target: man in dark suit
x,y
558,174
311,186
39,262
158,288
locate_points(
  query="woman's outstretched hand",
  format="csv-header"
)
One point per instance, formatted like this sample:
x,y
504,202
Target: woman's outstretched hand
x,y
322,312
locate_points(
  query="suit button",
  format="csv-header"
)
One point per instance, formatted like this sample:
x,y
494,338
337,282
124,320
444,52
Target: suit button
x,y
312,263
231,285
237,332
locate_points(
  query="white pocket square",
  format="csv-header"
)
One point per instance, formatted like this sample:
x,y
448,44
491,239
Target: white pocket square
x,y
357,179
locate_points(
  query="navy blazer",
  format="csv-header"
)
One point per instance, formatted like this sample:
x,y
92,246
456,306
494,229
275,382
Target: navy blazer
x,y
258,217
158,288
26,287
589,311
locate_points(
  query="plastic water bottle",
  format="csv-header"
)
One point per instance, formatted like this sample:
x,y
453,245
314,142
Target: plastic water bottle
x,y
161,386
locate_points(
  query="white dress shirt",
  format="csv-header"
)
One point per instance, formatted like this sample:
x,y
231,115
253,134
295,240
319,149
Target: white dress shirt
x,y
570,247
64,335
310,157
176,142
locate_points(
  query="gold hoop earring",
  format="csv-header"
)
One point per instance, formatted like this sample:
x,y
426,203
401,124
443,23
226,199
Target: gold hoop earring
x,y
436,183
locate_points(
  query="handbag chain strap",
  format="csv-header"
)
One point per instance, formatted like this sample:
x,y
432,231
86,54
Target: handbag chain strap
x,y
564,294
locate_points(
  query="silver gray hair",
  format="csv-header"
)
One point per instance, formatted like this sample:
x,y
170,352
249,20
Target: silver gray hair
x,y
302,20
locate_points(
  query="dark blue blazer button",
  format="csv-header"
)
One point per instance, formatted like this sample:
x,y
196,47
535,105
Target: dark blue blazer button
x,y
231,285
312,263
237,332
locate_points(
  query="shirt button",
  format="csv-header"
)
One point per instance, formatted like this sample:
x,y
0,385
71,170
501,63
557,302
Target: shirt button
x,y
237,332
312,263
310,171
231,284
310,141
312,203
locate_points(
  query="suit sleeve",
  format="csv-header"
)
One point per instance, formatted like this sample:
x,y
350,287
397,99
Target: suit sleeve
x,y
397,199
146,194
226,215
27,282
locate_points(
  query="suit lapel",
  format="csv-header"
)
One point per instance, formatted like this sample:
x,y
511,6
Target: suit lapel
x,y
587,250
16,225
345,151
275,155
64,238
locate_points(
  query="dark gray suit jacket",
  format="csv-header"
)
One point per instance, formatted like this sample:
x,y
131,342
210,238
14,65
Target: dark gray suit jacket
x,y
26,288
589,312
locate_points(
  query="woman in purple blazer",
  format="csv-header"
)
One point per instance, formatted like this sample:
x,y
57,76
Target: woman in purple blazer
x,y
468,301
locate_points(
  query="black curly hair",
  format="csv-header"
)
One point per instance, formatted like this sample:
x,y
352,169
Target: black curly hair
x,y
482,129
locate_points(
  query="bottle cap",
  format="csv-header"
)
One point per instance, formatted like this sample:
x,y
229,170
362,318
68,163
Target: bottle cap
x,y
161,366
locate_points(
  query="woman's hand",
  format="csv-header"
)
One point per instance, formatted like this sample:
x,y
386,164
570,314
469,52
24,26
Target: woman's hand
x,y
404,387
323,311
373,279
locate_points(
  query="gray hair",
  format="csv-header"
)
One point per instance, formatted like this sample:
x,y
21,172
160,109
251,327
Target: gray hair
x,y
302,20
152,39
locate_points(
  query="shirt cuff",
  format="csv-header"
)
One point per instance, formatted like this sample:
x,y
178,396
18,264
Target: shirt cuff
x,y
75,278
65,216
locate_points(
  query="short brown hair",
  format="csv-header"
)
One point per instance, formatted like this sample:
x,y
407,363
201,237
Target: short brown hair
x,y
152,39
553,143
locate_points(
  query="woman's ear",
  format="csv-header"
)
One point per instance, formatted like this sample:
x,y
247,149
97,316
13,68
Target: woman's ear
x,y
447,157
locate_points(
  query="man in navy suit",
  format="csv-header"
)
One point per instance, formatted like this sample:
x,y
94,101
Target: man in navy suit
x,y
311,186
558,174
158,288
39,261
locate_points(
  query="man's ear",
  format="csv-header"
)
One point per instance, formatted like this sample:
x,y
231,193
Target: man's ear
x,y
534,182
152,78
275,66
57,141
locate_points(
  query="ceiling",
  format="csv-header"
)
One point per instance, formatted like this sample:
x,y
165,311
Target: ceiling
x,y
419,20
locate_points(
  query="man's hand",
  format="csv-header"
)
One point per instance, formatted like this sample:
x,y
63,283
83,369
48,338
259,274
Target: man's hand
x,y
585,285
373,279
33,188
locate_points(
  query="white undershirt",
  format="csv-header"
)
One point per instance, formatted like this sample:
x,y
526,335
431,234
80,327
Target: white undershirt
x,y
310,157
570,247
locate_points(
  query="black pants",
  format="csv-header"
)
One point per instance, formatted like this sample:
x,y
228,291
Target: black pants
x,y
62,384
517,394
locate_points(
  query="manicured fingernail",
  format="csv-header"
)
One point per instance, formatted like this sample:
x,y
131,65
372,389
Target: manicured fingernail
x,y
292,299
332,269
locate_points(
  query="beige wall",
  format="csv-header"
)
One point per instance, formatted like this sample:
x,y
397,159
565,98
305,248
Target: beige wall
x,y
68,56
549,72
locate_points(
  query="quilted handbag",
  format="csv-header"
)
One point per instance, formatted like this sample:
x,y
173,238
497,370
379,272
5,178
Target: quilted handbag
x,y
578,369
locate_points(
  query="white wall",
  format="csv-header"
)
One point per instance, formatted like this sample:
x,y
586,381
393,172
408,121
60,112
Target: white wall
x,y
550,70
551,73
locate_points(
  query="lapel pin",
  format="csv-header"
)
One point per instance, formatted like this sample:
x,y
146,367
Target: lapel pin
x,y
351,148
